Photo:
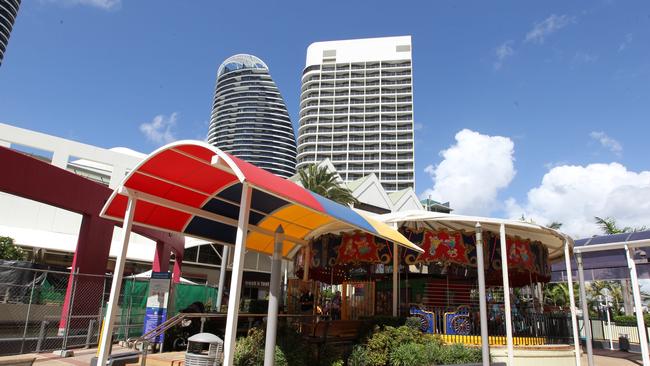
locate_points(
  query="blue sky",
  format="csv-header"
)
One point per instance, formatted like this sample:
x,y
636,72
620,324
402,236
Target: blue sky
x,y
554,95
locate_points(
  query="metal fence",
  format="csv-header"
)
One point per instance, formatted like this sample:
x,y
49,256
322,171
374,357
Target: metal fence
x,y
34,316
452,310
602,331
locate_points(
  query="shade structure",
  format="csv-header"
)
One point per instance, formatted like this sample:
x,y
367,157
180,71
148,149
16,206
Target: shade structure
x,y
609,264
193,188
552,239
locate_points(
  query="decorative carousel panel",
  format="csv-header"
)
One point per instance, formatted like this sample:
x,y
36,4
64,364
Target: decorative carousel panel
x,y
445,247
519,254
358,247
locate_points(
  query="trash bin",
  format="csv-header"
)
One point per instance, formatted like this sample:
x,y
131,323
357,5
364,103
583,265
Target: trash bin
x,y
204,349
623,343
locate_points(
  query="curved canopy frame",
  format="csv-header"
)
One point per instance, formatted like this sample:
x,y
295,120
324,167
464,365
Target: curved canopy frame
x,y
552,239
193,188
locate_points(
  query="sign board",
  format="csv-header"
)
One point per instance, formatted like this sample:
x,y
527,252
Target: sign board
x,y
156,311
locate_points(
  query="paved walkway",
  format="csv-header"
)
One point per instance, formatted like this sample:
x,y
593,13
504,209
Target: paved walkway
x,y
82,358
603,357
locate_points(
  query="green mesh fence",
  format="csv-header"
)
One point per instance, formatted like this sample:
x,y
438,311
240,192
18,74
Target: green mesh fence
x,y
132,306
134,301
52,290
185,294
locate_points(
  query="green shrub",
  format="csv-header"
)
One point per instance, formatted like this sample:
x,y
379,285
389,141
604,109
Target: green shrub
x,y
293,346
382,344
410,354
453,354
329,356
630,320
359,356
249,350
378,323
413,322
406,346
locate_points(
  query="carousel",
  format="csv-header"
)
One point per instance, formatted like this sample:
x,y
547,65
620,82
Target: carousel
x,y
459,278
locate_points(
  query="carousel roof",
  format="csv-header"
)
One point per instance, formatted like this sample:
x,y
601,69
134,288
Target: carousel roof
x,y
552,239
193,188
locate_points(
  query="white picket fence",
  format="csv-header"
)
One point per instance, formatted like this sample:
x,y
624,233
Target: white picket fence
x,y
601,331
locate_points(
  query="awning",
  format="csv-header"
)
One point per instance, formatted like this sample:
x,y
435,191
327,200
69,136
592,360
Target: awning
x,y
552,239
193,188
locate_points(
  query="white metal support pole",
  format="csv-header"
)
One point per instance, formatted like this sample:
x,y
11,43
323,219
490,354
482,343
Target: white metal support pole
x,y
285,279
636,295
572,302
274,299
609,324
222,276
395,279
480,264
585,310
116,287
395,276
236,276
506,293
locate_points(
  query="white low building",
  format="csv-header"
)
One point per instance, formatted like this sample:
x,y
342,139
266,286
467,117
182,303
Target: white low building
x,y
49,234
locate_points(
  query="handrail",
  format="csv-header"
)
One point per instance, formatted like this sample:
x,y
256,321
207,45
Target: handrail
x,y
160,329
164,326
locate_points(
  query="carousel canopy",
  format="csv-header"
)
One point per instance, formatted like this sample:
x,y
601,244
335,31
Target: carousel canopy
x,y
193,188
552,239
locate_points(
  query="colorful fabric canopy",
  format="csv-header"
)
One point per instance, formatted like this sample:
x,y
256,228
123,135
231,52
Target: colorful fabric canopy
x,y
195,189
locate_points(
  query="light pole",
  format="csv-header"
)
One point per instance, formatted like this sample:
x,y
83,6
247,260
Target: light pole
x,y
605,305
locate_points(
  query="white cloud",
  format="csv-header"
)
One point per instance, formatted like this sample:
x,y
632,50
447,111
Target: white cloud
x,y
502,52
585,57
418,126
607,142
160,129
626,42
472,172
101,4
573,195
547,27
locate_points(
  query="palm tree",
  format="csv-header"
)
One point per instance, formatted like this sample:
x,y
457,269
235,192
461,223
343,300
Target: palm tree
x,y
608,226
558,293
318,180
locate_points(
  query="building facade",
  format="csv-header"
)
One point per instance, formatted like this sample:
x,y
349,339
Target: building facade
x,y
49,235
249,118
8,13
356,109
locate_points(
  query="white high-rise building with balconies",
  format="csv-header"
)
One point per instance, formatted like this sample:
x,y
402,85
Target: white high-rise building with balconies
x,y
356,109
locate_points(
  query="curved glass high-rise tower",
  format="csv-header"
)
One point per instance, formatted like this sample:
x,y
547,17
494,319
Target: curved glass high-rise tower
x,y
8,13
249,118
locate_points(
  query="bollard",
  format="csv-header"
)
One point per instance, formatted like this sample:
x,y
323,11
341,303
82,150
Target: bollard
x,y
41,335
89,335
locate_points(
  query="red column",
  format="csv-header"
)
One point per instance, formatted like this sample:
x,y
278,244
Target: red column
x,y
161,257
178,261
90,259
